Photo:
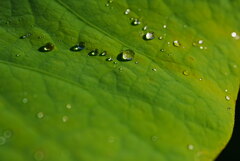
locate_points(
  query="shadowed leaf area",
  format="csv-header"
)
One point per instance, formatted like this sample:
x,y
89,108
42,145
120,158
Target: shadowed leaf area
x,y
121,80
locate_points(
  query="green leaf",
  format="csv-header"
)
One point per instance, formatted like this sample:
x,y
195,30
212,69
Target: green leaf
x,y
170,103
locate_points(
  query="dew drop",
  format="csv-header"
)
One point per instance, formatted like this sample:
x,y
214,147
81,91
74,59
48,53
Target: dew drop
x,y
104,53
145,28
201,47
200,41
93,52
154,69
38,155
107,4
115,62
126,55
64,118
154,138
164,26
46,48
109,59
136,62
40,115
25,100
162,50
160,37
26,36
78,47
176,43
185,72
149,36
190,147
2,140
136,22
68,106
227,98
110,1
17,55
127,11
226,90
7,133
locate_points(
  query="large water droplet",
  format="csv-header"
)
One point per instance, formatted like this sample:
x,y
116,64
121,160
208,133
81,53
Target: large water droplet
x,y
46,48
78,47
235,35
93,52
176,43
126,55
149,36
136,22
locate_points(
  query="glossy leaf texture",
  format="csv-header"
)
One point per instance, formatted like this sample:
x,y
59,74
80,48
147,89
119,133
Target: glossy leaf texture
x,y
171,98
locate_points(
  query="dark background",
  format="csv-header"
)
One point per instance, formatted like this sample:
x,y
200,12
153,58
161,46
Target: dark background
x,y
232,150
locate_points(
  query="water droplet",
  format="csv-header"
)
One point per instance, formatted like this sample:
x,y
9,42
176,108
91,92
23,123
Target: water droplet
x,y
64,118
68,106
107,4
40,115
38,155
78,47
145,28
93,52
154,138
110,1
7,133
200,79
136,62
176,43
127,11
149,36
26,36
115,62
46,48
25,100
160,37
154,69
164,26
201,47
226,90
17,55
2,140
200,41
104,53
109,59
126,55
162,50
190,147
227,98
136,22
185,72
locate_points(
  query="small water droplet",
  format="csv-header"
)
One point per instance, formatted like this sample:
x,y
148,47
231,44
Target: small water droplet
x,y
78,47
93,52
25,100
39,155
154,138
104,53
68,106
176,43
126,55
164,26
149,36
46,48
127,11
154,69
136,22
185,72
226,90
162,50
145,28
120,69
115,62
200,79
7,133
40,115
26,36
107,4
110,1
227,98
17,55
136,62
201,47
160,37
190,147
109,59
2,140
200,41
64,118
